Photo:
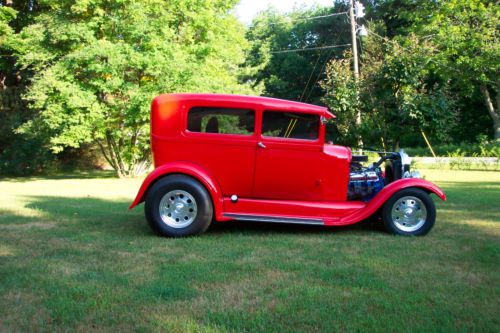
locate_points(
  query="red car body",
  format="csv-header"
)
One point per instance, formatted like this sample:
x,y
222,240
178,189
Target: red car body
x,y
260,178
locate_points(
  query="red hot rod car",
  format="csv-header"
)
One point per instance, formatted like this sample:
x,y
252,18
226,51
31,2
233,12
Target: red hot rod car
x,y
226,157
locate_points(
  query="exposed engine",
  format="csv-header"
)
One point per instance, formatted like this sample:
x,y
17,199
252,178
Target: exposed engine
x,y
366,182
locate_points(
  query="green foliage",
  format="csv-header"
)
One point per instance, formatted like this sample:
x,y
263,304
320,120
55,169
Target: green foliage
x,y
405,93
399,91
399,16
430,72
93,66
6,15
466,35
342,98
26,157
482,149
99,63
295,75
19,155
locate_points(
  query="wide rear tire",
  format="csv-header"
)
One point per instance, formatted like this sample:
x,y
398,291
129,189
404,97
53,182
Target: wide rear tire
x,y
409,212
178,206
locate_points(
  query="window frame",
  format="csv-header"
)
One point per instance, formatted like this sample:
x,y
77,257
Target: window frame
x,y
220,135
289,140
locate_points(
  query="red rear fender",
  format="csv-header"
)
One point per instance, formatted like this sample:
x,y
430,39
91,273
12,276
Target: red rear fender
x,y
189,169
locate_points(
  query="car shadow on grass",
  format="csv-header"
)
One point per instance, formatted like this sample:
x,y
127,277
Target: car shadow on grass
x,y
104,215
255,227
97,214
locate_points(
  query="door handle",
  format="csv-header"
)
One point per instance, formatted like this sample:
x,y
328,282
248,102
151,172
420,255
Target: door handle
x,y
261,145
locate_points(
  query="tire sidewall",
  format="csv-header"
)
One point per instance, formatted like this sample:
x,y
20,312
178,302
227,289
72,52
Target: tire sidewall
x,y
414,192
185,183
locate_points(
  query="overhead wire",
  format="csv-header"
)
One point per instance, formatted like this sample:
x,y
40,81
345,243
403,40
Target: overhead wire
x,y
310,75
321,48
324,66
309,48
309,18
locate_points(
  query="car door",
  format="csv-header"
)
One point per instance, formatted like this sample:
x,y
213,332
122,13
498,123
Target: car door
x,y
289,157
222,140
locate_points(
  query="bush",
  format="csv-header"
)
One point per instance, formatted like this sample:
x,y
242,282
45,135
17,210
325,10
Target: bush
x,y
26,157
29,157
482,149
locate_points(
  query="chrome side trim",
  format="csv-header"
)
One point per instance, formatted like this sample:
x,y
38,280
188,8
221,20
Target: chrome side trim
x,y
272,219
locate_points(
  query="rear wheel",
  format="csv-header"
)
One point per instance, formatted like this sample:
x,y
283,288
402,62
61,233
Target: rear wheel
x,y
177,206
409,212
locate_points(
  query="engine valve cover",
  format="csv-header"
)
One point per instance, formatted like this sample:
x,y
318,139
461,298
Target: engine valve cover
x,y
364,185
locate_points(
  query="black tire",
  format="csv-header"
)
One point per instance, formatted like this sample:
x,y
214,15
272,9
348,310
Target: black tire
x,y
409,225
201,218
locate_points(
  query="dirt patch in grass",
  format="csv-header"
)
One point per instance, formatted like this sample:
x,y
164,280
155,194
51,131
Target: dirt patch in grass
x,y
247,295
6,251
25,303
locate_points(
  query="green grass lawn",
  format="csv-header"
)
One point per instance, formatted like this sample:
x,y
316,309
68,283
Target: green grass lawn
x,y
72,257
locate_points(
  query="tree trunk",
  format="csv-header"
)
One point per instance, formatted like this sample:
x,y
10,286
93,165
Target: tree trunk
x,y
396,144
115,157
495,116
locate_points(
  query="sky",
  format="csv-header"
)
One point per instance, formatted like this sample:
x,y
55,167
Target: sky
x,y
247,9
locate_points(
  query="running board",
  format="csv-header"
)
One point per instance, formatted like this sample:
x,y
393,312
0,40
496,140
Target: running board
x,y
272,219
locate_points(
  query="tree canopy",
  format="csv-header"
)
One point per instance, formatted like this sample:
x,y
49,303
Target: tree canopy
x,y
296,75
83,72
97,65
425,66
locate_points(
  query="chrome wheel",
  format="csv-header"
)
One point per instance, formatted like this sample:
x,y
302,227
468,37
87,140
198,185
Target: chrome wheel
x,y
409,213
178,209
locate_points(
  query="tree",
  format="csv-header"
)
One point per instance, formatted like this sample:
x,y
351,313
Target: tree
x,y
7,14
99,63
399,92
466,33
295,75
398,16
342,98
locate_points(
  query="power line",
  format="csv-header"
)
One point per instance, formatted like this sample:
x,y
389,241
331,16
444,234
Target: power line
x,y
311,75
310,48
309,18
323,68
318,76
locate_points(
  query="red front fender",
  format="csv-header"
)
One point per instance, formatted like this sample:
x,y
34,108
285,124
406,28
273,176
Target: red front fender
x,y
185,168
387,192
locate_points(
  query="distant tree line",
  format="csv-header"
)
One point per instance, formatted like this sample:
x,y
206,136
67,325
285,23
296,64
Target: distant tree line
x,y
79,75
429,66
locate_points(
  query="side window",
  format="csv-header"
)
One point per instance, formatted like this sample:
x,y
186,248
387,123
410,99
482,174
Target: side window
x,y
221,120
290,125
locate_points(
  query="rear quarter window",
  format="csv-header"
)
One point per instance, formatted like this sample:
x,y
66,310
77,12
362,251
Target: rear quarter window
x,y
221,120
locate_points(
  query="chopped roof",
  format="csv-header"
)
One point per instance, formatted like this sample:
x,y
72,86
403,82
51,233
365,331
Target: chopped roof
x,y
274,103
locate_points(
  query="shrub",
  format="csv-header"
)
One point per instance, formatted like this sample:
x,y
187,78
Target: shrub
x,y
484,148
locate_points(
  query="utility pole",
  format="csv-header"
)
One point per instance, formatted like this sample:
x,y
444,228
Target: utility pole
x,y
354,31
354,43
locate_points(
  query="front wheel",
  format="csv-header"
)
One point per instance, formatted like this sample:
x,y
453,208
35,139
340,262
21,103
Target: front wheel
x,y
409,212
177,206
